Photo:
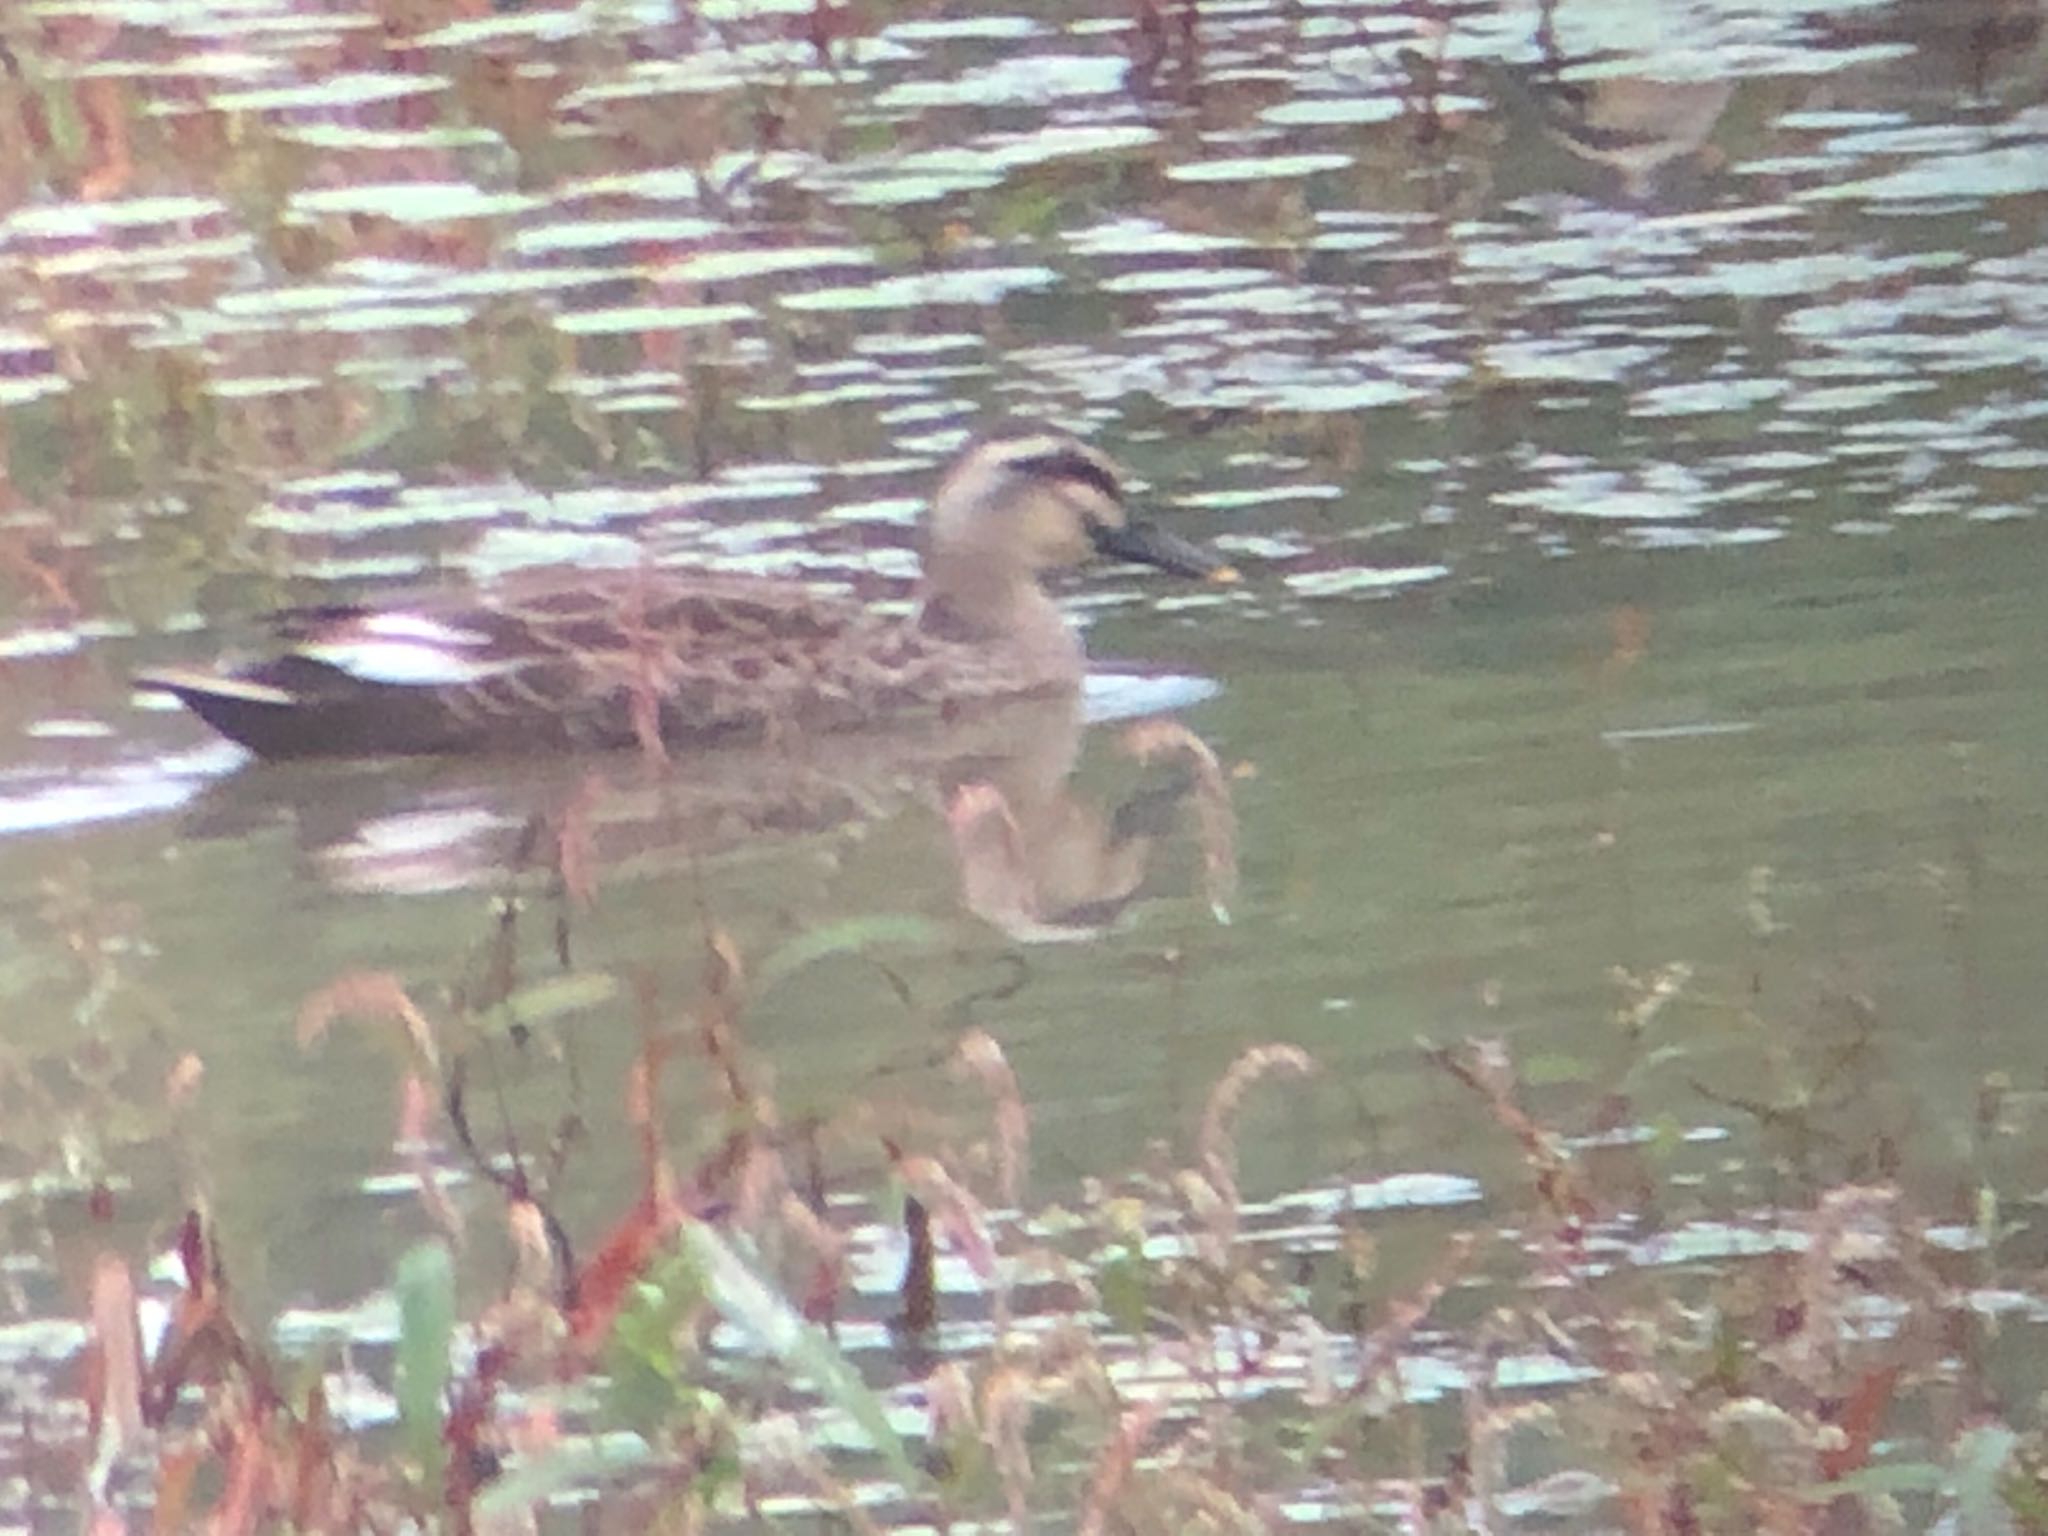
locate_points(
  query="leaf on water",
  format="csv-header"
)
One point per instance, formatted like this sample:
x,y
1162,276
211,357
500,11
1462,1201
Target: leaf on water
x,y
749,1302
855,935
426,1313
546,1001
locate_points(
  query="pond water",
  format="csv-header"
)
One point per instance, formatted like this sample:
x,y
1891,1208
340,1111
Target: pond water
x,y
1628,423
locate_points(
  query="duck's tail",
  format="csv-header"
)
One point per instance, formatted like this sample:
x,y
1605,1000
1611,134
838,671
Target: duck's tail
x,y
260,716
292,707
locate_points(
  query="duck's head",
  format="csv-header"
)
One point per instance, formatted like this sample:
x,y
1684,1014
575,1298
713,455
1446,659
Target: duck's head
x,y
1021,502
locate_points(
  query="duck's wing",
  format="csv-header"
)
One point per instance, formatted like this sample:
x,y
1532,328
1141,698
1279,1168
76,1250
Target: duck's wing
x,y
732,657
608,660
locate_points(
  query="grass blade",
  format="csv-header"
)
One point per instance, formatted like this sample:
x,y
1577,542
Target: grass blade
x,y
426,1325
746,1300
854,935
575,1464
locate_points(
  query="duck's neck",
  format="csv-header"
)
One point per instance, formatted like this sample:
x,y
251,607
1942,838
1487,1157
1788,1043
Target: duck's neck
x,y
1009,612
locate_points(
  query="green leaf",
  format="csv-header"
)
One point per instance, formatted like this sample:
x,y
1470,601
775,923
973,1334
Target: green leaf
x,y
649,1354
1889,1478
1122,1285
1981,1456
744,1299
2025,1498
548,1000
572,1464
855,935
426,1324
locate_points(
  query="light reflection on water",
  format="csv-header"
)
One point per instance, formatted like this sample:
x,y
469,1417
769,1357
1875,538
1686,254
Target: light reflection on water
x,y
1636,464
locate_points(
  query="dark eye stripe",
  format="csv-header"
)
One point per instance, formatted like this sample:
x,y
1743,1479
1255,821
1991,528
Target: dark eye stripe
x,y
1071,464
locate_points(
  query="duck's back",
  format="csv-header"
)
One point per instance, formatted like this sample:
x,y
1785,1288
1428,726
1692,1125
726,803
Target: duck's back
x,y
608,661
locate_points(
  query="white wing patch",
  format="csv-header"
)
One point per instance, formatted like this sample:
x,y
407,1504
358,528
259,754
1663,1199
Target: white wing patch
x,y
415,663
407,650
416,627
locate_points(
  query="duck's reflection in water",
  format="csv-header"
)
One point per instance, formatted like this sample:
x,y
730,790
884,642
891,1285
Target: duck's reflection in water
x,y
1059,866
1639,131
1031,851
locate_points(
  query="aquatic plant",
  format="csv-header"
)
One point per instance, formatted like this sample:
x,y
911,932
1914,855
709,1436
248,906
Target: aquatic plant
x,y
1154,1353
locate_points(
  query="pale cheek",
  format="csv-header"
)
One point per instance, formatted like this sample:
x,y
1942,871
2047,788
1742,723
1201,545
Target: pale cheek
x,y
1055,537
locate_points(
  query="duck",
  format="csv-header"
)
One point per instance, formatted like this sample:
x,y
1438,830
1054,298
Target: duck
x,y
668,660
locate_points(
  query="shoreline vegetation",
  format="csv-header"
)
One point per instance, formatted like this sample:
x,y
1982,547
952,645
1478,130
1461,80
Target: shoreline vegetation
x,y
870,1322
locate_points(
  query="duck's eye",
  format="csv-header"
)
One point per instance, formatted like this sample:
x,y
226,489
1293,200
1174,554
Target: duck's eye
x,y
1085,500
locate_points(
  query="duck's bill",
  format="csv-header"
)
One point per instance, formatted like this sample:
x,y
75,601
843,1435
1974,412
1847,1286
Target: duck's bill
x,y
1149,544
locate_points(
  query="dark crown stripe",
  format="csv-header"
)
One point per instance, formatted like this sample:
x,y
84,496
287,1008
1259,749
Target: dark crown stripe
x,y
1071,463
